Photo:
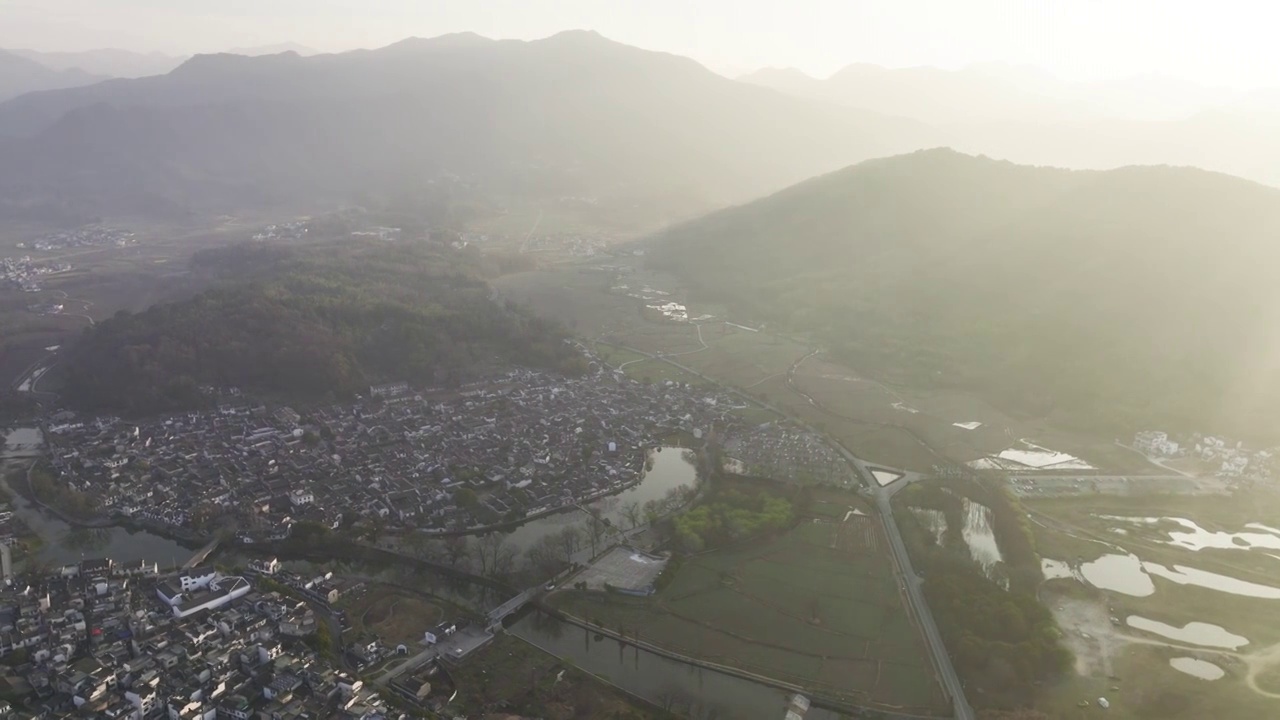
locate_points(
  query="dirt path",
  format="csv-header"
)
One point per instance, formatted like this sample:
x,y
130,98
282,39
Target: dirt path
x,y
1095,641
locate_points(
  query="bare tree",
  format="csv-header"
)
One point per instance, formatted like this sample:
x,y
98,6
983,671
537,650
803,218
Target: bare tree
x,y
504,559
455,549
570,540
632,511
545,556
490,550
596,530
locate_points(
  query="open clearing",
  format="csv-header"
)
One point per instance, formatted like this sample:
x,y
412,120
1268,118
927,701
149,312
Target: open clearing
x,y
1129,625
395,616
818,606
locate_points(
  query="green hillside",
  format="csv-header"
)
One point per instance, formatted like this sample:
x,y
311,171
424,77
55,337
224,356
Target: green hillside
x,y
1138,297
322,321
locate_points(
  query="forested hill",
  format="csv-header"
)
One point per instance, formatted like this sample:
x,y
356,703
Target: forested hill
x,y
1138,297
311,323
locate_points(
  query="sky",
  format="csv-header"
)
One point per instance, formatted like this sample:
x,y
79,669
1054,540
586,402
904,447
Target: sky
x,y
1231,43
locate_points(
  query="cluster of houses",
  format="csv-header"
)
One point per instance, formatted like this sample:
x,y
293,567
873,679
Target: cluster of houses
x,y
25,273
784,452
1232,458
100,640
90,236
294,230
516,446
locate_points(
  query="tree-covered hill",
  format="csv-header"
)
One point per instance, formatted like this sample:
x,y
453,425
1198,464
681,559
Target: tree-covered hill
x,y
309,323
1138,297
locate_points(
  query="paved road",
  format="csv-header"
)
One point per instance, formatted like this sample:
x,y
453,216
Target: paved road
x,y
911,582
942,659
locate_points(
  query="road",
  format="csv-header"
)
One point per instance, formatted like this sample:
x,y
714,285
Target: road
x,y
910,581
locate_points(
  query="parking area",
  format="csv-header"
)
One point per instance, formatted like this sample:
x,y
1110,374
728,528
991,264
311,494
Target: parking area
x,y
624,568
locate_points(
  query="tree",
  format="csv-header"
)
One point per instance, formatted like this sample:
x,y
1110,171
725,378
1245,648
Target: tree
x,y
570,540
466,497
455,549
596,529
544,556
632,512
492,554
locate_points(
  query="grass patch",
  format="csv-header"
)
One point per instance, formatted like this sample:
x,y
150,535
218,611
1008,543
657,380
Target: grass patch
x,y
515,677
806,606
394,616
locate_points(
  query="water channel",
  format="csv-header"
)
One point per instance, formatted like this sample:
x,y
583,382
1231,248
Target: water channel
x,y
688,690
667,468
63,543
695,692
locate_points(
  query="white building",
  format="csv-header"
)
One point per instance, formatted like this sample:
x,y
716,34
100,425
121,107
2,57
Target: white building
x,y
1154,443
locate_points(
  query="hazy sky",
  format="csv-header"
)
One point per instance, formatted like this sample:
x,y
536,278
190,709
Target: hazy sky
x,y
1226,42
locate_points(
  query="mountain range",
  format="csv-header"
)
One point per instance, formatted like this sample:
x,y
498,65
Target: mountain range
x,y
105,62
1135,298
1031,117
570,115
997,92
19,75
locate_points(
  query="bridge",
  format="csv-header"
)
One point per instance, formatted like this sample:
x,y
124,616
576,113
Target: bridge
x,y
202,554
500,613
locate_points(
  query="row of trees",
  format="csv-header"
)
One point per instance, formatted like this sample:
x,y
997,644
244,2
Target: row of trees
x,y
1003,641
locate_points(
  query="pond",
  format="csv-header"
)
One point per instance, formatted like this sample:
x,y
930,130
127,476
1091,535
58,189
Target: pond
x,y
1118,573
1055,569
1132,576
669,468
1193,537
933,520
979,534
1202,669
687,690
1196,633
21,442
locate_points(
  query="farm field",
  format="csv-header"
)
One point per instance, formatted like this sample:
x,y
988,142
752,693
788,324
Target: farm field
x,y
513,675
883,423
818,606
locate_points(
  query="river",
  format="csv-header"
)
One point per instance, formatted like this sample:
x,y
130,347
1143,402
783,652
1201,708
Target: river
x,y
64,543
687,690
668,468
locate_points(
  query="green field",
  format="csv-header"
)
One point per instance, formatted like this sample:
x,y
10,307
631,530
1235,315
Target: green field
x,y
817,606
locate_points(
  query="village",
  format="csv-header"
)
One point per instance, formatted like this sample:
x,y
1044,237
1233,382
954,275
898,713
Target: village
x,y
1208,454
115,641
25,273
490,454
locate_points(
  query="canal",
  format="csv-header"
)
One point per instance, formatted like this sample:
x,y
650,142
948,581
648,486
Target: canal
x,y
687,690
63,543
666,469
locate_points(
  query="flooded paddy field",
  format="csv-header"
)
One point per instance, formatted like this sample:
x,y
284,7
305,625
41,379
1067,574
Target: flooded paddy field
x,y
1181,591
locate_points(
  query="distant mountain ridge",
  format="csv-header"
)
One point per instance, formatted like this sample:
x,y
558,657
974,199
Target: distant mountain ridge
x,y
573,114
19,75
1030,117
1134,298
105,62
